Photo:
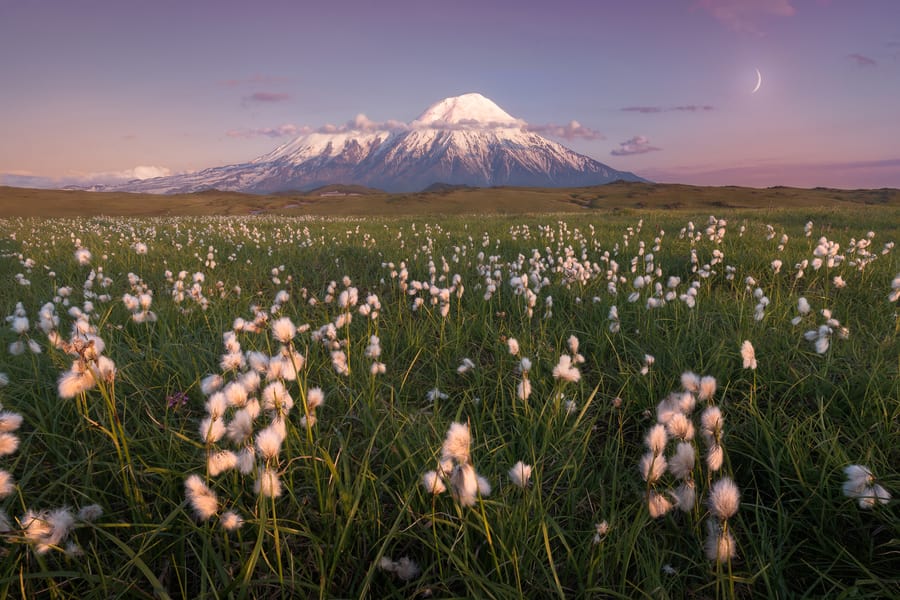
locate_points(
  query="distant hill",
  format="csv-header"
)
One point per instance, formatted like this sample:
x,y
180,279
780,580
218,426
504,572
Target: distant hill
x,y
444,188
25,202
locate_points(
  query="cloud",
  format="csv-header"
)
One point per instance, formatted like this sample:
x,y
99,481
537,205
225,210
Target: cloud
x,y
286,130
25,179
636,145
149,172
742,15
267,97
862,61
659,109
361,123
570,131
254,80
764,173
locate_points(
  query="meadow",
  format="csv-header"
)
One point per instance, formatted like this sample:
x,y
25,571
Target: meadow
x,y
615,404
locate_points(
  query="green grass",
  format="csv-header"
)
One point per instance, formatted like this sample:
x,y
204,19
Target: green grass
x,y
351,484
343,201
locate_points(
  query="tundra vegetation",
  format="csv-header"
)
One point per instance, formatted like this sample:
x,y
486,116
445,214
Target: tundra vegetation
x,y
617,404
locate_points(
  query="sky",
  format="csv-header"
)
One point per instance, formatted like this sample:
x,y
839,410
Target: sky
x,y
119,89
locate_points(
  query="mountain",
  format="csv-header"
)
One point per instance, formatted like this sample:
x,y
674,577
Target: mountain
x,y
464,140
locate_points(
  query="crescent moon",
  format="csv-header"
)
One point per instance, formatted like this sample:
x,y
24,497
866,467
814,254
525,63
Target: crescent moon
x,y
758,81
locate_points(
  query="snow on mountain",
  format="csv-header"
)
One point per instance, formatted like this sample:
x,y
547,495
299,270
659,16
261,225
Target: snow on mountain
x,y
468,108
463,140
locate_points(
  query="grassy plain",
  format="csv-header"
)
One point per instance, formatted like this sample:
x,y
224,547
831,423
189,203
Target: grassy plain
x,y
351,490
21,202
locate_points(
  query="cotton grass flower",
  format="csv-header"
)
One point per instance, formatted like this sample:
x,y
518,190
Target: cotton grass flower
x,y
284,330
513,346
656,439
7,483
90,513
231,521
711,423
268,442
405,568
523,389
220,462
466,366
47,529
680,427
860,485
268,484
658,504
9,421
707,388
433,483
652,467
565,371
681,464
9,443
456,444
83,256
520,474
203,500
601,530
75,381
464,484
724,498
212,430
315,398
690,381
719,545
748,355
715,456
895,289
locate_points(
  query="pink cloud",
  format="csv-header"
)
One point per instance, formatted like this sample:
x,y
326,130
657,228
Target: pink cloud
x,y
286,130
254,80
636,145
362,123
659,109
643,109
847,175
743,15
862,61
570,131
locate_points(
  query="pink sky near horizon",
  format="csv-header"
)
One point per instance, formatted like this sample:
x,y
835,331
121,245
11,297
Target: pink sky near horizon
x,y
106,91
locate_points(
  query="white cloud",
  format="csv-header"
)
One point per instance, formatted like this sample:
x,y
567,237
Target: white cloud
x,y
24,179
743,15
636,145
572,130
148,172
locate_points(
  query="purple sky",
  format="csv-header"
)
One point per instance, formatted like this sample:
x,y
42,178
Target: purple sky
x,y
117,89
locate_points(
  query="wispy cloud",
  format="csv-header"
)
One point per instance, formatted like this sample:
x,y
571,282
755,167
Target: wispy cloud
x,y
572,130
286,130
743,15
764,173
636,145
362,123
25,179
267,97
659,109
862,61
254,80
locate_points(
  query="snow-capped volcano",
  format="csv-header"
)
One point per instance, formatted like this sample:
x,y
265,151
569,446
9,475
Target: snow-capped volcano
x,y
466,109
465,139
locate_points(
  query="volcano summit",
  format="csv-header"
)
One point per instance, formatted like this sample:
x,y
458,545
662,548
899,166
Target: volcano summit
x,y
463,140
